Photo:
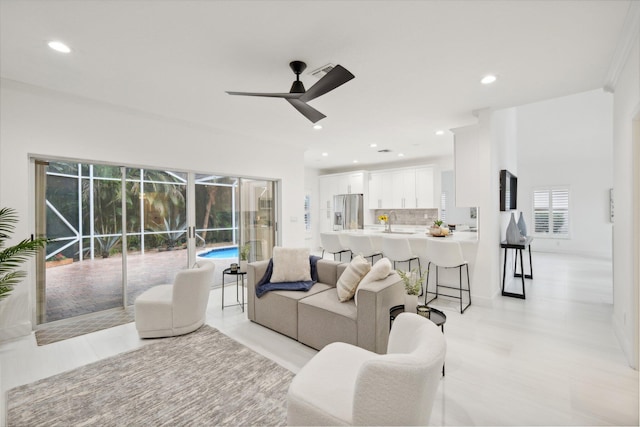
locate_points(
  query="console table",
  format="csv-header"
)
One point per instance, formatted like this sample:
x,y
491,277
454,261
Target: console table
x,y
518,248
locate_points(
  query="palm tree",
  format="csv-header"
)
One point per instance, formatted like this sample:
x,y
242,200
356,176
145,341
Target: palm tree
x,y
11,257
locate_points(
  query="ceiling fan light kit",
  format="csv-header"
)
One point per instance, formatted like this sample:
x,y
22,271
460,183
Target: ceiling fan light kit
x,y
298,96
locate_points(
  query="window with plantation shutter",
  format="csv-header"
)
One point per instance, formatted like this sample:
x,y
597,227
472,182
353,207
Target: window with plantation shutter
x,y
551,211
443,206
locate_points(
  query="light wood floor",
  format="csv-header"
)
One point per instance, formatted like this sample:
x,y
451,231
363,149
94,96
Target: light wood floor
x,y
552,359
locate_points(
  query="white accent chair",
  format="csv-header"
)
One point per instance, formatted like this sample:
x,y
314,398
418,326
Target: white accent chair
x,y
399,250
347,385
448,255
169,310
333,243
363,245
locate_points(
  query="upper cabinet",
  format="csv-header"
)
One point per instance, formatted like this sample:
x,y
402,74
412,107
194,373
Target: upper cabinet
x,y
343,183
428,187
407,188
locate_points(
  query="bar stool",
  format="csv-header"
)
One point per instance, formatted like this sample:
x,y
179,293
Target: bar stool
x,y
333,244
399,250
448,255
363,245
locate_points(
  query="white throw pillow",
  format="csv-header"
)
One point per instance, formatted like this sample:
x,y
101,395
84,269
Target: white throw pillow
x,y
380,270
290,265
349,280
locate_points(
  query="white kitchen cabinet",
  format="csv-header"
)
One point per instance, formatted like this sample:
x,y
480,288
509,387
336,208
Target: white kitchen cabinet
x,y
406,188
351,183
426,186
403,189
376,180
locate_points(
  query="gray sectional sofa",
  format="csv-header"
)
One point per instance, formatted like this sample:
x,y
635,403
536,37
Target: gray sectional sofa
x,y
317,318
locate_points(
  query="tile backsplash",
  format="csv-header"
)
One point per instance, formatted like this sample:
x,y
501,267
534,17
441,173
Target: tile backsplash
x,y
410,216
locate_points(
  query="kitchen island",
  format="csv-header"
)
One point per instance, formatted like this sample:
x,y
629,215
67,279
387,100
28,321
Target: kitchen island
x,y
419,240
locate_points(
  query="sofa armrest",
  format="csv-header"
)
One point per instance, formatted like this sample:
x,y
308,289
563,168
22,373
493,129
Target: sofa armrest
x,y
375,300
328,271
255,272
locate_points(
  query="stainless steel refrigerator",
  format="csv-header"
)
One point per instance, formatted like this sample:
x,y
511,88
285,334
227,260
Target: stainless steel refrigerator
x,y
348,212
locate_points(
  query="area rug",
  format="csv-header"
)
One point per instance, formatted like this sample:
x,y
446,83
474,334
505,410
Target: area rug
x,y
58,331
200,379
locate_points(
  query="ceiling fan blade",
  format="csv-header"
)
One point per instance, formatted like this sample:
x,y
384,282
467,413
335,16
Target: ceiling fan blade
x,y
268,95
306,110
334,78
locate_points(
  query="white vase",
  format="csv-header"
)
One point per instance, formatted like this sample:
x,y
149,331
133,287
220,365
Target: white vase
x,y
513,232
410,303
243,265
522,226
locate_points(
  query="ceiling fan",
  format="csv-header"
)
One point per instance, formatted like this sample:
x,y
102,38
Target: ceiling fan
x,y
298,97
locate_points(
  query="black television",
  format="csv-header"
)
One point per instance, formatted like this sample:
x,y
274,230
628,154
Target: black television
x,y
508,190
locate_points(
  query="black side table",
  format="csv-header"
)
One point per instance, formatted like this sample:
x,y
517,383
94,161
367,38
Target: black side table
x,y
518,248
237,274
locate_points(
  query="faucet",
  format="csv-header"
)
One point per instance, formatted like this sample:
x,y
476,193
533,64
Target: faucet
x,y
391,213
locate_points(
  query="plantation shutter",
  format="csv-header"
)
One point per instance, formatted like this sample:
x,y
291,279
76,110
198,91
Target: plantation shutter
x,y
541,211
443,206
560,211
551,211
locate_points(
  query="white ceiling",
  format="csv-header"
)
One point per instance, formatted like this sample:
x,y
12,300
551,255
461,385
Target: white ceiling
x,y
417,63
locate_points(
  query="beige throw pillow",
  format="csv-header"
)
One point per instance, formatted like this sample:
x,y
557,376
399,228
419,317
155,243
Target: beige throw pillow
x,y
290,265
349,280
379,271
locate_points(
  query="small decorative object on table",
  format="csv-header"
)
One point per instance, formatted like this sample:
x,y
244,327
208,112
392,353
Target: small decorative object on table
x,y
522,226
424,311
437,229
234,267
412,286
383,219
513,232
244,256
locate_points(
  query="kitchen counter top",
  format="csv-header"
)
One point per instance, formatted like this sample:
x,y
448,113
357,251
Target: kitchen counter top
x,y
414,233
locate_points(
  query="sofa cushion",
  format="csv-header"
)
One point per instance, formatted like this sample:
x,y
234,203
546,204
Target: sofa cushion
x,y
323,319
380,270
290,265
349,280
278,310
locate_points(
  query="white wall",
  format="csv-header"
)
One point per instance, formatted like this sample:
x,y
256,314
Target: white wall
x,y
455,214
476,185
34,121
312,186
504,133
626,108
568,141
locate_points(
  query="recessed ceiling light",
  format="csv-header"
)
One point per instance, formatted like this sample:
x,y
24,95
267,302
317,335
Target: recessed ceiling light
x,y
488,79
317,127
325,154
400,154
374,145
59,46
355,161
439,132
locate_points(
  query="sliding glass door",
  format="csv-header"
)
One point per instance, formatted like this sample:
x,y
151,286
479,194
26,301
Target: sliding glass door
x,y
156,228
83,264
117,231
258,218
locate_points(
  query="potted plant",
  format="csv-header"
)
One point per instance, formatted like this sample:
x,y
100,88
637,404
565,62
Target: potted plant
x,y
412,287
244,256
435,228
12,256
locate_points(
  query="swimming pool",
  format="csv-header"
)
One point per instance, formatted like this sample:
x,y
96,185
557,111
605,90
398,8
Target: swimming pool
x,y
220,253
